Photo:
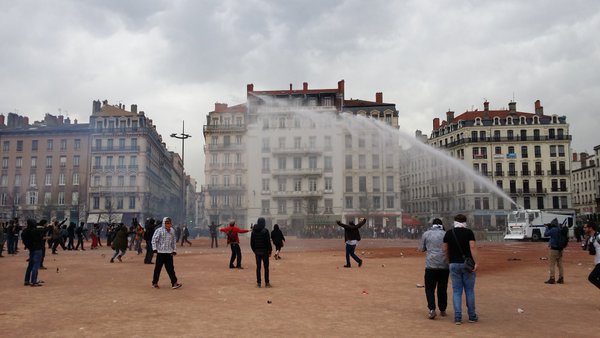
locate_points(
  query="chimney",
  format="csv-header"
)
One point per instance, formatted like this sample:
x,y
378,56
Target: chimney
x,y
134,108
512,107
305,86
290,87
574,157
249,87
436,123
60,119
379,97
220,107
539,110
341,87
449,116
96,107
105,102
1,119
486,106
25,121
583,158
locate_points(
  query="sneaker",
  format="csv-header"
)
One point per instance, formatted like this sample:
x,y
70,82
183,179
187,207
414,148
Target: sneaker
x,y
239,267
347,265
432,314
112,260
550,281
360,264
473,320
35,284
177,286
443,313
119,258
457,322
268,285
155,286
43,268
26,284
258,285
560,280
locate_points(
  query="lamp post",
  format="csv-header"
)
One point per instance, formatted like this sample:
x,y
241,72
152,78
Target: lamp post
x,y
182,136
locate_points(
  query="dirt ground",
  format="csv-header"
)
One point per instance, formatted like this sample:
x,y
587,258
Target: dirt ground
x,y
85,295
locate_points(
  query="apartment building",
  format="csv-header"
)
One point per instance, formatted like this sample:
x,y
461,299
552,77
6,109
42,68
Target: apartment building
x,y
132,173
585,183
281,155
525,154
44,170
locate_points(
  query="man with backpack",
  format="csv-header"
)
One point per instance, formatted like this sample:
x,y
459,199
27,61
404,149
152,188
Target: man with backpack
x,y
233,239
558,241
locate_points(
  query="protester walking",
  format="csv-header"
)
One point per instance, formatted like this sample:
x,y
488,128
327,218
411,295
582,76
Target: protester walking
x,y
212,228
81,233
278,240
459,246
592,244
556,252
436,268
185,235
150,227
119,243
164,243
260,242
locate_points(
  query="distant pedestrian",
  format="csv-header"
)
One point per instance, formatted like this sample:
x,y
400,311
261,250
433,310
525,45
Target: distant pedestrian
x,y
260,242
459,243
2,237
352,237
81,233
212,228
71,235
278,240
592,244
185,234
556,252
233,240
164,244
33,241
436,268
150,227
119,243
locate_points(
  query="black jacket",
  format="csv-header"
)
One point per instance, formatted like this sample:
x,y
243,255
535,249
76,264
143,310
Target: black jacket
x,y
149,230
277,237
32,237
260,240
351,230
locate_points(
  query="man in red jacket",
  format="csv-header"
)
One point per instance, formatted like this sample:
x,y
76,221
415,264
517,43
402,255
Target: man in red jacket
x,y
233,239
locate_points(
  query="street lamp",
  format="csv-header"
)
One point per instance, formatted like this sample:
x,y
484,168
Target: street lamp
x,y
182,136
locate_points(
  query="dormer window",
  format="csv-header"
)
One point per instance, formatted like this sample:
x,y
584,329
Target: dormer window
x,y
509,120
536,120
496,120
554,119
478,121
522,120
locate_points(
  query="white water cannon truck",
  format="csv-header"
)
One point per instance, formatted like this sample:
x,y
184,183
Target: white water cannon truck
x,y
531,224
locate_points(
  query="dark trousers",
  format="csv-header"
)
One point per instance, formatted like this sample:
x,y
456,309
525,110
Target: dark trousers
x,y
236,253
264,258
594,276
184,239
149,253
213,239
350,252
11,244
165,259
79,242
70,243
43,254
436,278
58,242
31,274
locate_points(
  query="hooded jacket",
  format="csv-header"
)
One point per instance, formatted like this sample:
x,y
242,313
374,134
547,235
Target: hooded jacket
x,y
120,240
32,236
260,240
164,241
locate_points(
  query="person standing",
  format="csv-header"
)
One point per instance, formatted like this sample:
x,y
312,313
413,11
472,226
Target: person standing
x,y
233,240
212,228
352,237
164,244
71,235
119,243
81,234
148,234
556,252
278,239
459,243
185,235
592,244
33,241
260,242
436,268
2,236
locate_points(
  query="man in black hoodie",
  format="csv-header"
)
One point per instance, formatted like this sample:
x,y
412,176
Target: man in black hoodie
x,y
150,226
33,240
352,237
260,242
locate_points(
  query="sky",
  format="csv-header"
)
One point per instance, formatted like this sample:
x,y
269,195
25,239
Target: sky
x,y
176,58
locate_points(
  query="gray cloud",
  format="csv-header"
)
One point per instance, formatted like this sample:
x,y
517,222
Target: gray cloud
x,y
175,59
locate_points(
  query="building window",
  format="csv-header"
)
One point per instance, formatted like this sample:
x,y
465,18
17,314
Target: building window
x,y
312,162
328,163
63,161
61,179
328,184
524,152
297,163
389,183
389,204
376,202
348,161
96,202
375,159
265,164
348,141
120,203
265,207
6,145
312,184
281,208
75,198
131,202
362,161
61,198
5,163
348,183
297,184
362,184
349,202
32,180
265,184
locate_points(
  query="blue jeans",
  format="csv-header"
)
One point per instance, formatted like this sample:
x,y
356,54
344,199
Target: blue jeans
x,y
31,274
350,252
462,280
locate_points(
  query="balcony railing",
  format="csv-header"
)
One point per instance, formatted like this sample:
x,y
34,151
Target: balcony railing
x,y
116,149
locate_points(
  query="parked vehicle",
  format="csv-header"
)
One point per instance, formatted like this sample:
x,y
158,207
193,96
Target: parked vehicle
x,y
530,223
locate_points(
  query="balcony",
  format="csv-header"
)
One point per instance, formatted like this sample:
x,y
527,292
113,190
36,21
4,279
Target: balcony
x,y
499,173
296,151
114,189
231,128
129,149
559,172
538,173
301,171
512,173
296,194
525,173
224,147
223,187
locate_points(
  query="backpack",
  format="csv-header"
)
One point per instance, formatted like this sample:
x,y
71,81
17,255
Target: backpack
x,y
231,237
563,237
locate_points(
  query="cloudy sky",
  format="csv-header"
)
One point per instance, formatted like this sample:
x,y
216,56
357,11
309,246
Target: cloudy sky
x,y
176,58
